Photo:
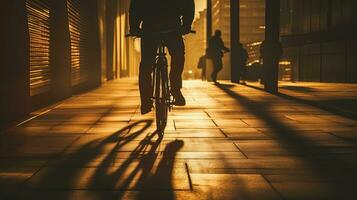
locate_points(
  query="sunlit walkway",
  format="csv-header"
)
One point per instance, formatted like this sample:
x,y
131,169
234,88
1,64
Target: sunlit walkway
x,y
340,98
229,142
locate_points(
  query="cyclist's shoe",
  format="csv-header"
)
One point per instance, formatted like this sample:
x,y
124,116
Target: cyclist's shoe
x,y
179,99
146,107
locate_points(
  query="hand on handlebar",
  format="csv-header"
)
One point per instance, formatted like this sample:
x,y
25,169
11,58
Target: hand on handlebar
x,y
184,30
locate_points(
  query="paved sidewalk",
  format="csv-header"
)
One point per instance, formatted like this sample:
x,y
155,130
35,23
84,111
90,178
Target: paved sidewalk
x,y
339,98
229,142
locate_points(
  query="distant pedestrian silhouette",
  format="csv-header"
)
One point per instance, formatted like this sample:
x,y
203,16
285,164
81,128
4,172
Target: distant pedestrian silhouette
x,y
216,50
153,16
202,66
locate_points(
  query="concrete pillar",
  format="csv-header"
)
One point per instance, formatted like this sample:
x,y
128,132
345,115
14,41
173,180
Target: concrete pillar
x,y
60,50
209,21
14,62
94,53
271,47
235,40
209,67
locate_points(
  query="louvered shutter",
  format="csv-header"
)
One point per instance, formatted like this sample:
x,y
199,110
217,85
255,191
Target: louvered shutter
x,y
77,28
38,15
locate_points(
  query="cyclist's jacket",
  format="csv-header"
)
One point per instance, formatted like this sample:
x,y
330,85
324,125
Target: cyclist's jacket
x,y
161,15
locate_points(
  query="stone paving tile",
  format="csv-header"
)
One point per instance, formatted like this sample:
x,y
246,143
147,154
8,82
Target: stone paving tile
x,y
107,128
70,128
233,186
11,179
188,124
256,123
187,155
33,129
307,187
245,134
307,119
229,115
116,118
14,171
195,133
34,145
230,123
277,163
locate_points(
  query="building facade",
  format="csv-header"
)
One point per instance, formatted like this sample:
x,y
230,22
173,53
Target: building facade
x,y
252,27
319,39
252,21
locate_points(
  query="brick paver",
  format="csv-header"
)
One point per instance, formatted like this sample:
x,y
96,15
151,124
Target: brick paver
x,y
229,142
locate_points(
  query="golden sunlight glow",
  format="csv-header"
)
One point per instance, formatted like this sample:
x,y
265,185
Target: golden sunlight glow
x,y
284,63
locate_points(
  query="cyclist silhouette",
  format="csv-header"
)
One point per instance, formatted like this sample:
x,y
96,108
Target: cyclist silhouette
x,y
152,16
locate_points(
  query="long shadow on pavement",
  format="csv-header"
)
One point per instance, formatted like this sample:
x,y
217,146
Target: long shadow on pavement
x,y
332,106
292,141
98,173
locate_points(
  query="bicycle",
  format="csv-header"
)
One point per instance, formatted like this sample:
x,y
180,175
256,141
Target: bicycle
x,y
162,98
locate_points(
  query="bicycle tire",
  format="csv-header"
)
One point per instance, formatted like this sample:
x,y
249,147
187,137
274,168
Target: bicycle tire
x,y
165,94
161,93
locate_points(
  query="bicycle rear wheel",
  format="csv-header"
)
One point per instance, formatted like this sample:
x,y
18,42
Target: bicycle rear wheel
x,y
161,97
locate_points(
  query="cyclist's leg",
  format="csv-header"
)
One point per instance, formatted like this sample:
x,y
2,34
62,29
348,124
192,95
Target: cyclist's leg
x,y
148,53
176,49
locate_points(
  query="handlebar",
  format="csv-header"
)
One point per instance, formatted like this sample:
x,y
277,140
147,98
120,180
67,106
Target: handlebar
x,y
156,33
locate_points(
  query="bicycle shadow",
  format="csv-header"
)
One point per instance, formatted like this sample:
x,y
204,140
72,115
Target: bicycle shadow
x,y
162,178
66,172
140,171
143,171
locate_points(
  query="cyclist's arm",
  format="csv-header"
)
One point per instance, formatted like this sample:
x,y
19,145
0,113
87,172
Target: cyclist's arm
x,y
188,13
135,15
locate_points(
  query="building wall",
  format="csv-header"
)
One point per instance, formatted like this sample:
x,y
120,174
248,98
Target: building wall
x,y
14,81
35,75
319,39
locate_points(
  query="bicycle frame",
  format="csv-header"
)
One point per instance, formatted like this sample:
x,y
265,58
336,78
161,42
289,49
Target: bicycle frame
x,y
161,92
